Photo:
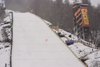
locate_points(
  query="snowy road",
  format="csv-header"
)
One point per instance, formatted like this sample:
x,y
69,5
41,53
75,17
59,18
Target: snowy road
x,y
36,45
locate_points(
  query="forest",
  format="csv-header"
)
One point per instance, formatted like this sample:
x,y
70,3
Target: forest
x,y
58,12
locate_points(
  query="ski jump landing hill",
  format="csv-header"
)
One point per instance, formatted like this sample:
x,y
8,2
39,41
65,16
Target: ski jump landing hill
x,y
36,45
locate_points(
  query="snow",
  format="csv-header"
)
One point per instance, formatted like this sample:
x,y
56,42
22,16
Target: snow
x,y
8,30
92,45
1,38
67,34
4,28
48,22
93,63
80,50
4,54
36,45
64,39
55,31
91,54
94,59
94,55
5,47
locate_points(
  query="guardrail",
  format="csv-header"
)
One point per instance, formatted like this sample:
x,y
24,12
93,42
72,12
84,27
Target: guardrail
x,y
11,17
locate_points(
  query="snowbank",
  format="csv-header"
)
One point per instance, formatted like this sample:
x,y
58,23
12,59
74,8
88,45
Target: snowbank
x,y
5,54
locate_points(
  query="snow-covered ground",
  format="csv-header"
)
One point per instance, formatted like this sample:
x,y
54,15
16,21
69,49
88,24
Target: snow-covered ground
x,y
36,45
80,50
67,34
94,59
91,54
5,54
5,44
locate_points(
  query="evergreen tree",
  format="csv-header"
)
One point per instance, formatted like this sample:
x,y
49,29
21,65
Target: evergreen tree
x,y
59,15
86,2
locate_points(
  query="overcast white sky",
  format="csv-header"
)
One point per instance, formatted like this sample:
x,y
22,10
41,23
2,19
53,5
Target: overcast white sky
x,y
94,2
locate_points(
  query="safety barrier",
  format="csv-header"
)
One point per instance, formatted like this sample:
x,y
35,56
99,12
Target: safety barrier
x,y
11,18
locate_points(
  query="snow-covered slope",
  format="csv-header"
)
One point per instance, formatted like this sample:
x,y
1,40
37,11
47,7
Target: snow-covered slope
x,y
89,55
36,45
44,45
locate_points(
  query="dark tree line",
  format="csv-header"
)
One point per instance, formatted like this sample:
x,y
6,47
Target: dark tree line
x,y
57,12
